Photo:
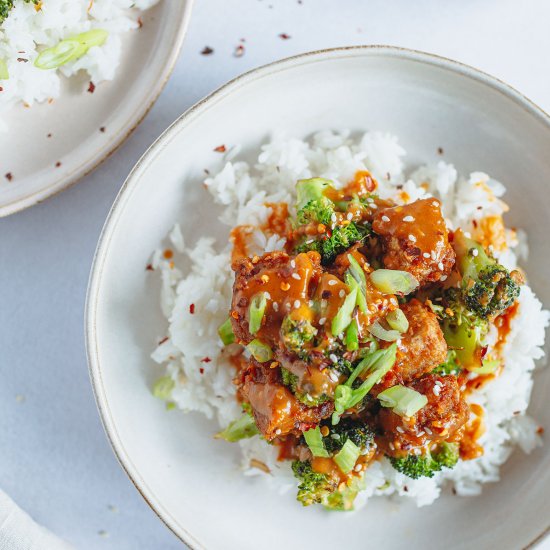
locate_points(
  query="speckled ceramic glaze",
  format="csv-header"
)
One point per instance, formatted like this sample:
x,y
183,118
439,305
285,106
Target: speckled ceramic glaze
x,y
190,479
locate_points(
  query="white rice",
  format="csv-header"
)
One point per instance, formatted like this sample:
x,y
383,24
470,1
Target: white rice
x,y
26,32
243,190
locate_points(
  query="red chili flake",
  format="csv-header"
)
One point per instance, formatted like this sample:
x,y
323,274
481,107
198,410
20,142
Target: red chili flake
x,y
149,267
239,51
1,89
474,223
57,164
207,50
91,87
165,339
22,60
284,36
540,430
140,22
102,129
192,309
9,176
484,351
201,370
168,254
220,149
206,360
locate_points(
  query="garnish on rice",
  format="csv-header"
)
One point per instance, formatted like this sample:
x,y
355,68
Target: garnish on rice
x,y
360,336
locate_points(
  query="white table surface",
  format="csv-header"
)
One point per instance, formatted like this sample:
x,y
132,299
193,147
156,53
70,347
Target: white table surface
x,y
55,459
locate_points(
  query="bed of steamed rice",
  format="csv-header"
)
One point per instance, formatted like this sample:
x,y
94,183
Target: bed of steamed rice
x,y
26,32
243,190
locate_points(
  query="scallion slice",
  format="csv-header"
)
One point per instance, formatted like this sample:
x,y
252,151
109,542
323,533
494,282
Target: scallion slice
x,y
260,351
392,281
347,456
361,299
242,428
397,320
378,331
162,389
488,367
70,49
352,336
357,272
343,318
256,312
314,441
402,400
4,73
225,331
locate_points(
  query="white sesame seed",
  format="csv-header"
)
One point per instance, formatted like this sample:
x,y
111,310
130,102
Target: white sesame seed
x,y
324,303
349,216
342,293
385,219
296,276
467,234
441,266
463,387
287,305
475,252
428,431
412,238
278,431
392,446
420,434
333,217
408,219
332,282
393,301
435,203
333,358
438,383
426,254
400,430
373,206
309,241
436,390
296,304
322,320
358,468
267,296
333,376
417,452
335,436
275,306
443,278
292,264
310,303
433,255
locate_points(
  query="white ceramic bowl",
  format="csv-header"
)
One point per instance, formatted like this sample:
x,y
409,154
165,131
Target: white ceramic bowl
x,y
191,480
74,119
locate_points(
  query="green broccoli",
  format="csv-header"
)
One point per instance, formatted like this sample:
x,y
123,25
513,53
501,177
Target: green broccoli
x,y
296,333
341,238
450,366
488,288
316,211
7,5
359,433
426,465
290,380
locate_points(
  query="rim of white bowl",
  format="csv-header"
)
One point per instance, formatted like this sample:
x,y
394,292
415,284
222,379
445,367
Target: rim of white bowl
x,y
149,156
124,132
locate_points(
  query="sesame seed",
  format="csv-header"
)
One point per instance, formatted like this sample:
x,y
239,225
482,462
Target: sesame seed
x,y
349,216
296,304
400,430
435,203
292,264
436,390
392,446
433,255
278,431
412,238
324,303
426,254
333,217
332,282
275,306
333,358
417,452
420,434
438,383
408,219
428,431
358,468
467,234
322,320
333,376
310,303
441,266
342,293
373,206
287,305
385,219
443,278
475,252
335,436
296,276
309,241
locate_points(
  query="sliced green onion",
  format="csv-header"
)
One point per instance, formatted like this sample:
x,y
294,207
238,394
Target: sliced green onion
x,y
378,331
352,336
342,396
392,281
4,73
314,441
309,190
487,367
162,389
343,318
402,400
361,299
256,312
242,428
260,351
226,333
347,456
397,320
357,272
70,49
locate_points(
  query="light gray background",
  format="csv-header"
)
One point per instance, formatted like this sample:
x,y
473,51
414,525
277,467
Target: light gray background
x,y
55,460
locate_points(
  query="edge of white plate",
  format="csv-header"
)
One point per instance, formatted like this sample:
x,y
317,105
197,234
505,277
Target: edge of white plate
x,y
149,156
122,135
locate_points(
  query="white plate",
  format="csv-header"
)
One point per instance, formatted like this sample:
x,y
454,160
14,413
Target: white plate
x,y
75,119
191,480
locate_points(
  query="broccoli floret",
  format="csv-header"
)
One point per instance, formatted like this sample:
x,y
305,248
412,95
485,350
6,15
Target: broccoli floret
x,y
359,433
488,288
295,333
7,5
451,365
428,464
315,488
317,211
290,380
342,238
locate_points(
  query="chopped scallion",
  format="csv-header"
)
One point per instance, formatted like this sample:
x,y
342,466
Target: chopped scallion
x,y
357,272
162,389
347,456
378,331
256,312
343,318
260,351
226,333
352,336
4,73
398,321
314,441
242,428
392,281
402,400
489,366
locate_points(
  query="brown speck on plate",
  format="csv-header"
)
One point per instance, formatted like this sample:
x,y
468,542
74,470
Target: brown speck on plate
x,y
102,129
140,22
91,87
207,50
284,36
440,150
49,135
9,176
58,164
220,149
149,267
22,60
239,51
